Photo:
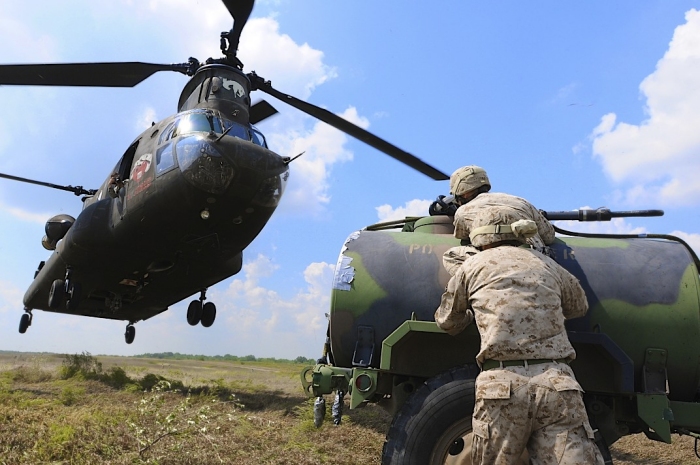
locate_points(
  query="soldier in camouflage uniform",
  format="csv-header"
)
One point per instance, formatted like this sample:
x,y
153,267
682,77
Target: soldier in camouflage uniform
x,y
470,186
526,394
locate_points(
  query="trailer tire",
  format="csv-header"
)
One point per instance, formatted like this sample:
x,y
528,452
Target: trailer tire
x,y
430,421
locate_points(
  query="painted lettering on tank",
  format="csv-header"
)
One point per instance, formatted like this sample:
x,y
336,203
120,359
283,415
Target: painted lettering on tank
x,y
420,248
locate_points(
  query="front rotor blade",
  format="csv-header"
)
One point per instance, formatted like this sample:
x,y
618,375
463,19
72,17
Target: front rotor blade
x,y
351,129
126,74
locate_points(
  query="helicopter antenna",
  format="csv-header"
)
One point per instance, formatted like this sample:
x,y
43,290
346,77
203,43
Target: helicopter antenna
x,y
287,161
77,190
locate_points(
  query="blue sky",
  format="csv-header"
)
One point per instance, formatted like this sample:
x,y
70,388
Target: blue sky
x,y
566,104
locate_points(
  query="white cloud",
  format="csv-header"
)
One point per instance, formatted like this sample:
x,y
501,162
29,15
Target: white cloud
x,y
315,300
413,207
23,39
692,239
253,307
297,69
145,119
323,147
614,226
25,215
659,158
620,226
261,267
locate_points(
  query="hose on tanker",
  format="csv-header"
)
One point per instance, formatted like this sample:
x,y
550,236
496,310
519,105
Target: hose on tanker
x,y
632,236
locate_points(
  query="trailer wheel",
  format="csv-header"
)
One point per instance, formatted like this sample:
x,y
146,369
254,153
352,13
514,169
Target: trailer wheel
x,y
434,425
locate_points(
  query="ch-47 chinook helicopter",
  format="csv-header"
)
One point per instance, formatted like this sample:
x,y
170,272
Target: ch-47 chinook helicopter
x,y
187,197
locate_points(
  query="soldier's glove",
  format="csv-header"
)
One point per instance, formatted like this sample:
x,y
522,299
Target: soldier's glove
x,y
440,207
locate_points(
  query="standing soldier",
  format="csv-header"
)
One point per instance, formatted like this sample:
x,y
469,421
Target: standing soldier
x,y
526,394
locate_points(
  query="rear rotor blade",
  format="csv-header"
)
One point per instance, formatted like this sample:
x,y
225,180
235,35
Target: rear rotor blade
x,y
77,190
240,11
350,128
126,74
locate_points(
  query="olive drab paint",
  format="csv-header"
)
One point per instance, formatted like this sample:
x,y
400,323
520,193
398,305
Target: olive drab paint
x,y
637,347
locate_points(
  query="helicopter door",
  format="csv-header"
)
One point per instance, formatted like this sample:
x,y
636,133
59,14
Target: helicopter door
x,y
118,182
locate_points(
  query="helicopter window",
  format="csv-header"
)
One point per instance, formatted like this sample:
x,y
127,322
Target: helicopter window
x,y
169,132
126,161
199,122
258,138
235,130
164,159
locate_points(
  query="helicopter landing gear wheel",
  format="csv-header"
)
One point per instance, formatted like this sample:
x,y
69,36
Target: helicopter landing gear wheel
x,y
194,312
57,293
208,314
25,322
130,333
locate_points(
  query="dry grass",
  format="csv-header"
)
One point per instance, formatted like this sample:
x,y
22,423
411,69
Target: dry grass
x,y
44,419
638,450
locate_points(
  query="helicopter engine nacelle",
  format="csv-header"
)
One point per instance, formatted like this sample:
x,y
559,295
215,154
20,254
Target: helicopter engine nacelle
x,y
56,229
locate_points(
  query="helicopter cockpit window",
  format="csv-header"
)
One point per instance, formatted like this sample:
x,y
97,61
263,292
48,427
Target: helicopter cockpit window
x,y
164,159
235,130
258,138
169,132
199,121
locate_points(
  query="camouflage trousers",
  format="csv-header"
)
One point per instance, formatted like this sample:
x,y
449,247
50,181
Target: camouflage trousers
x,y
538,408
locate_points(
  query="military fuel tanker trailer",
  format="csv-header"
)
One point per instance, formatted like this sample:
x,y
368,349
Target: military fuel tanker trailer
x,y
637,348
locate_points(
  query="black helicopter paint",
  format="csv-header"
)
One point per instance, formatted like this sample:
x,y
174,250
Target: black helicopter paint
x,y
187,197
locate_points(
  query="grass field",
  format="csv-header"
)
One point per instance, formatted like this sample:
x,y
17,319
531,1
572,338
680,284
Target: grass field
x,y
211,412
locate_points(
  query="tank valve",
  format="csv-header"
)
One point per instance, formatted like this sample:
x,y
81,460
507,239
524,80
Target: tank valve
x,y
319,411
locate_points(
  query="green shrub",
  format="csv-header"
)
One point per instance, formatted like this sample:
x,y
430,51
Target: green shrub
x,y
80,364
70,395
116,377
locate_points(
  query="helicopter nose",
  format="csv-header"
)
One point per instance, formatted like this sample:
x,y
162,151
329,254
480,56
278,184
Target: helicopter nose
x,y
203,165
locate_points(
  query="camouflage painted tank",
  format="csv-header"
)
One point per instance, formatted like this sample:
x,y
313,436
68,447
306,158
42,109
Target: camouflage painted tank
x,y
638,347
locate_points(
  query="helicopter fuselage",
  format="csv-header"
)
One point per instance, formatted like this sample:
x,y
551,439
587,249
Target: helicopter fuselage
x,y
175,214
187,197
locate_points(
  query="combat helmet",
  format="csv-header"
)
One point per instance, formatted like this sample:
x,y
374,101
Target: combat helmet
x,y
467,179
499,224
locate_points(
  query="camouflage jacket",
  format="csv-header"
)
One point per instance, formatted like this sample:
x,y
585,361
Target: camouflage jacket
x,y
466,213
519,299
